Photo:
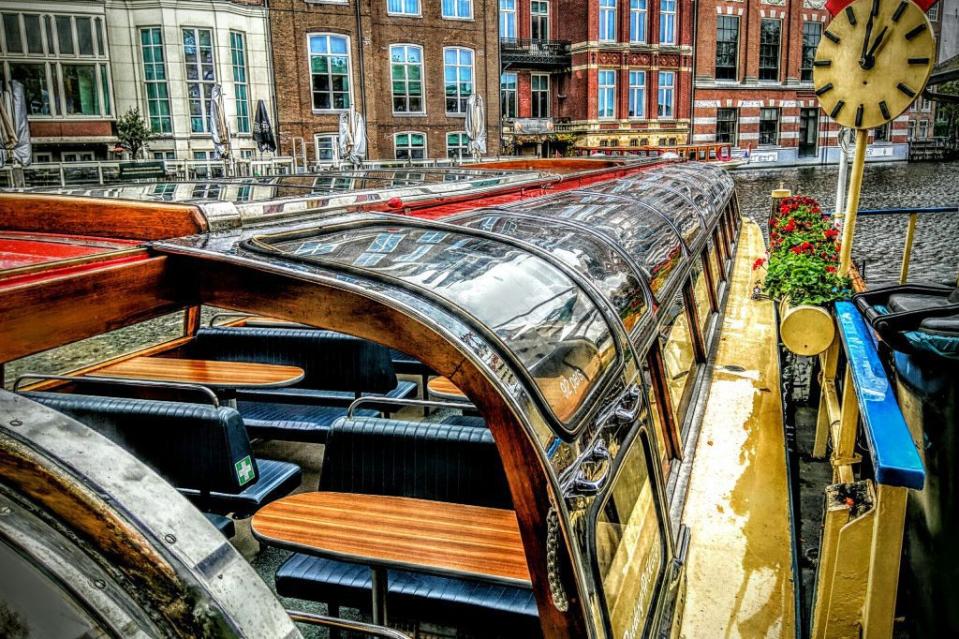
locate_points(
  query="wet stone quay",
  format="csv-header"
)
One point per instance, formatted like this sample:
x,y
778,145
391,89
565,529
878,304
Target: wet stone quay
x,y
879,239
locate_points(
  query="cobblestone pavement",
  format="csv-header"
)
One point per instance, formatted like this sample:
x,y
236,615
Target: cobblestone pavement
x,y
879,240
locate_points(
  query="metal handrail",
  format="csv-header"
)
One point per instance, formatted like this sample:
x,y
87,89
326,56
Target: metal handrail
x,y
339,623
138,383
906,210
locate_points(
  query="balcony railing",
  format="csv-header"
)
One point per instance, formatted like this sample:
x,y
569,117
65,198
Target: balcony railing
x,y
535,53
529,126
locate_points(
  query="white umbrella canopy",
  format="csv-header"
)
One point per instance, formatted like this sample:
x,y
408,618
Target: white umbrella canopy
x,y
8,134
476,125
352,138
219,129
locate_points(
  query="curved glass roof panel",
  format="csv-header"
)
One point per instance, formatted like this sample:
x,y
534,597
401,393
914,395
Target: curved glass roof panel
x,y
589,254
686,188
543,317
716,180
644,235
684,215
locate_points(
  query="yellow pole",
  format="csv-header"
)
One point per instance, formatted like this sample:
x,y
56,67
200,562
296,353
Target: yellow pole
x,y
852,202
907,249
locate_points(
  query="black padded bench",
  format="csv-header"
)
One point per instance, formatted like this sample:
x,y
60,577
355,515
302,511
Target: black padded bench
x,y
337,369
428,460
202,450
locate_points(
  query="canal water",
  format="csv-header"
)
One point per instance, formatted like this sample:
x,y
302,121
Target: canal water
x,y
879,239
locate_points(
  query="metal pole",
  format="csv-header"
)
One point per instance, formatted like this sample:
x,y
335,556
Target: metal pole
x,y
842,182
852,208
907,249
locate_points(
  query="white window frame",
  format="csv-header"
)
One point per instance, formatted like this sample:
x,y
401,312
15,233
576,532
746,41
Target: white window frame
x,y
607,20
147,82
472,66
638,14
779,126
507,19
404,13
349,70
667,22
637,94
666,95
604,92
406,66
204,98
335,137
396,149
463,146
533,15
456,6
245,84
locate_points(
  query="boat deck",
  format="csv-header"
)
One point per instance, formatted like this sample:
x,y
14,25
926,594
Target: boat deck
x,y
740,581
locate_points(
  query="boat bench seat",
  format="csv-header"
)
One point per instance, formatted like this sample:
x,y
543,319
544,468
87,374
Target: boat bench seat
x,y
337,369
908,302
202,450
427,460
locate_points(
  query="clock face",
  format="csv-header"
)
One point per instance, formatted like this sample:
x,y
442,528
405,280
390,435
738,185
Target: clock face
x,y
873,61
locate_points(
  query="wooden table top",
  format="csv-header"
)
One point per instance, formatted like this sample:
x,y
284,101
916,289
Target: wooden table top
x,y
201,371
443,388
399,532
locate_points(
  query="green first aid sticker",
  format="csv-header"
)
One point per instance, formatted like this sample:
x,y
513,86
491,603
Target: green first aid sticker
x,y
244,470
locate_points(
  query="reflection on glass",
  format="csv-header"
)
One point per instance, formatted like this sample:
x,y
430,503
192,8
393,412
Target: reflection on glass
x,y
553,328
31,605
704,307
714,264
629,546
676,343
657,418
80,89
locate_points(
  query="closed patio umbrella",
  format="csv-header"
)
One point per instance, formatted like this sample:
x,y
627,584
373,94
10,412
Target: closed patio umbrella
x,y
219,129
8,134
263,130
476,125
352,139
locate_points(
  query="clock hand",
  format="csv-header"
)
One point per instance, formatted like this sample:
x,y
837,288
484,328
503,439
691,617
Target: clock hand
x,y
863,58
875,45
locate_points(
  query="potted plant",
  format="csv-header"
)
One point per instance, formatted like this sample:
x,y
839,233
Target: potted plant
x,y
802,274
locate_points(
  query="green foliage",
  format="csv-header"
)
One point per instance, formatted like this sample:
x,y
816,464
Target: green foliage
x,y
133,131
803,256
947,113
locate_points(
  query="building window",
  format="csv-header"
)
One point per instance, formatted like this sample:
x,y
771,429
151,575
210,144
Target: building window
x,y
507,91
923,129
933,13
637,20
667,22
154,74
539,19
458,9
727,125
540,94
200,74
57,85
403,7
637,94
410,145
241,88
768,126
664,102
507,19
606,102
727,47
769,49
406,72
327,147
458,77
607,20
811,34
882,133
330,71
457,145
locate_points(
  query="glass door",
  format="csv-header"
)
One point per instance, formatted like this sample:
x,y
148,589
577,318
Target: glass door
x,y
808,132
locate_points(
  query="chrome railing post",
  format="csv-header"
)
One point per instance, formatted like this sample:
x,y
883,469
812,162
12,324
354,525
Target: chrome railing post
x,y
907,248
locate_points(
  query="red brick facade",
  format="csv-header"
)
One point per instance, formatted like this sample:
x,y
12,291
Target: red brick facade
x,y
370,35
575,89
772,112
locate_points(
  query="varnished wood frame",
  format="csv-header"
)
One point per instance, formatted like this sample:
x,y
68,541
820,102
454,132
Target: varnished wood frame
x,y
252,291
671,428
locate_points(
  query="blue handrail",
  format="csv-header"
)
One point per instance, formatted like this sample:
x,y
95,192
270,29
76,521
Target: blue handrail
x,y
894,456
906,210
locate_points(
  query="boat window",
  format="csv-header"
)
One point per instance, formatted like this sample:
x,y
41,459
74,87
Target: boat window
x,y
704,304
657,415
714,264
643,235
671,204
676,344
554,329
32,605
630,546
594,259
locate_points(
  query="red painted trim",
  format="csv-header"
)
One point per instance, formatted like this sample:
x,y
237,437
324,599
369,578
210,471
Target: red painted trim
x,y
54,273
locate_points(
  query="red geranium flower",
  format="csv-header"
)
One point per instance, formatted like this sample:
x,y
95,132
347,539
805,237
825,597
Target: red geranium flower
x,y
830,233
830,269
758,263
790,226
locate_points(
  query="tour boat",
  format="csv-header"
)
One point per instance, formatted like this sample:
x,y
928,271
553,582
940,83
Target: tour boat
x,y
532,398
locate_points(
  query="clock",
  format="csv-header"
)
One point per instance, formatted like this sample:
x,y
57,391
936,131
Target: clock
x,y
872,62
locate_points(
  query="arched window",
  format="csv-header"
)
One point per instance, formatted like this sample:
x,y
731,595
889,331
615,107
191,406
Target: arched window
x,y
458,77
329,71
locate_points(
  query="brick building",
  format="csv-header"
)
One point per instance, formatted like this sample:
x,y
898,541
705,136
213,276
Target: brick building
x,y
407,65
611,72
754,83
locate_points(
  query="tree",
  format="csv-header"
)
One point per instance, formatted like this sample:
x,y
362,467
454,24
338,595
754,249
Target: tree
x,y
947,113
133,132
